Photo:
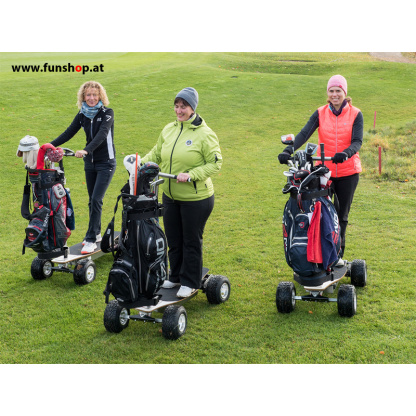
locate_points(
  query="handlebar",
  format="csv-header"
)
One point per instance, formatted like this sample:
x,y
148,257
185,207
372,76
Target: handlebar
x,y
328,159
170,176
320,158
68,152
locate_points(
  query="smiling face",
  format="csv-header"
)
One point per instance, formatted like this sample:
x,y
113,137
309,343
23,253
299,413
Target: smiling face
x,y
336,96
92,97
183,110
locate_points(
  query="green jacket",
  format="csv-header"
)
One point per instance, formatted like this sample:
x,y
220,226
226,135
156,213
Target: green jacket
x,y
188,147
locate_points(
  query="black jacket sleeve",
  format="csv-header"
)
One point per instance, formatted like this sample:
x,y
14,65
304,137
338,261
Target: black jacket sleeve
x,y
69,133
105,127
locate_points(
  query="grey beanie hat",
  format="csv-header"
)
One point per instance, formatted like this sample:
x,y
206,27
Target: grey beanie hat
x,y
190,95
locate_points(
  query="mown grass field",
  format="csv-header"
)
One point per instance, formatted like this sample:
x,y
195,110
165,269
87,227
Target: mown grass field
x,y
249,100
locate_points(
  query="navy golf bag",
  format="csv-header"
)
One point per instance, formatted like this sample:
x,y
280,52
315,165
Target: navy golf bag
x,y
311,229
140,257
52,219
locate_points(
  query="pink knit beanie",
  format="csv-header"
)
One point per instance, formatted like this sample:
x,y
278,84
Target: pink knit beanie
x,y
337,81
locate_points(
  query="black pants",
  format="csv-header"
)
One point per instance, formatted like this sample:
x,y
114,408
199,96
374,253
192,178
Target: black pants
x,y
98,176
184,223
344,187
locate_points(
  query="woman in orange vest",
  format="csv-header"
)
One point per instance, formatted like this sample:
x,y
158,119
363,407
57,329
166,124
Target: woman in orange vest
x,y
340,127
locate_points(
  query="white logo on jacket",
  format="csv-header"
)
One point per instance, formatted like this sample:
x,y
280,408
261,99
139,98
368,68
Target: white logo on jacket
x,y
188,142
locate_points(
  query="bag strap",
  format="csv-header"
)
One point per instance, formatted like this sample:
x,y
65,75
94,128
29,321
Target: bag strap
x,y
336,200
311,195
26,201
108,238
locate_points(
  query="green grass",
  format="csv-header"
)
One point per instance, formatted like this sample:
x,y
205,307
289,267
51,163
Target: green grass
x,y
398,153
249,100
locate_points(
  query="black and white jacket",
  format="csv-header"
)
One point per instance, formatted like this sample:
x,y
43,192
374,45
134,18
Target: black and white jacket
x,y
99,133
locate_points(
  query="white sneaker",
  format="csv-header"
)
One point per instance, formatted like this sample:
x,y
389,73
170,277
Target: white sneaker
x,y
184,292
98,239
341,263
169,285
88,248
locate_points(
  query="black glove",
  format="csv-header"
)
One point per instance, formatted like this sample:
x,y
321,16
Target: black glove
x,y
340,157
284,157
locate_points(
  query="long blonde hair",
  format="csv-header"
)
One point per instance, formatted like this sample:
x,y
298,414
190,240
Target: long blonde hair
x,y
92,84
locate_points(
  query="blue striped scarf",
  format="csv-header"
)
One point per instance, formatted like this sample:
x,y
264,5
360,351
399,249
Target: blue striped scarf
x,y
90,112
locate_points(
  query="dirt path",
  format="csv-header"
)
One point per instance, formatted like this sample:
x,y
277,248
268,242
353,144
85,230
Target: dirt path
x,y
394,57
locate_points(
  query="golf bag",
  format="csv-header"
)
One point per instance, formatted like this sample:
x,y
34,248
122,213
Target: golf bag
x,y
140,259
52,219
311,230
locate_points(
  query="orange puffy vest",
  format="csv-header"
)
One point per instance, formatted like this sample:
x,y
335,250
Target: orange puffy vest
x,y
335,132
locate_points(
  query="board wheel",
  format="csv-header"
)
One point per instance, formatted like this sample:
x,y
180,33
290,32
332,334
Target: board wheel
x,y
285,297
116,317
174,322
347,301
41,269
218,289
84,272
358,273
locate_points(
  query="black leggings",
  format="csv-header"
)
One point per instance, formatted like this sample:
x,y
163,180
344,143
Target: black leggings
x,y
98,177
184,223
344,187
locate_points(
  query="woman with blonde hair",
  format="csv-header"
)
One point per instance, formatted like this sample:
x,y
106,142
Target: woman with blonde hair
x,y
99,154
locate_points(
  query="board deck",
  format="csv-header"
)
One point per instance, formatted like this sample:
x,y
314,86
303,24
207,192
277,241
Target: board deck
x,y
168,297
74,253
339,273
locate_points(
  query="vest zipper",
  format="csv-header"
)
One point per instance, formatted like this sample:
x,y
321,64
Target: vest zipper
x,y
336,143
92,158
171,155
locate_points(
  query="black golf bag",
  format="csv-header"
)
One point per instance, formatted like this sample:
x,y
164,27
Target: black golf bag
x,y
52,219
311,230
140,257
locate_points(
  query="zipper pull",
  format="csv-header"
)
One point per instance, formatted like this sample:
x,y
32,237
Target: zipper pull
x,y
149,241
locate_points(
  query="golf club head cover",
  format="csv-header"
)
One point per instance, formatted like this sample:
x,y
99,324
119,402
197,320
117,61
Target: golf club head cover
x,y
145,174
41,154
55,155
130,164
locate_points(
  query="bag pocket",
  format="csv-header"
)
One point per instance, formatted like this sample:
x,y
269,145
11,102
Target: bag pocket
x,y
153,257
37,230
121,282
287,228
298,247
35,236
156,275
59,191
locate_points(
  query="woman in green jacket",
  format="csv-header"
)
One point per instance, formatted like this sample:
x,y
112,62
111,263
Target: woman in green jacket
x,y
189,149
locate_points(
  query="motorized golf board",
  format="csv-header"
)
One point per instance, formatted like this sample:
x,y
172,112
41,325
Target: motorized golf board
x,y
80,265
347,297
174,320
